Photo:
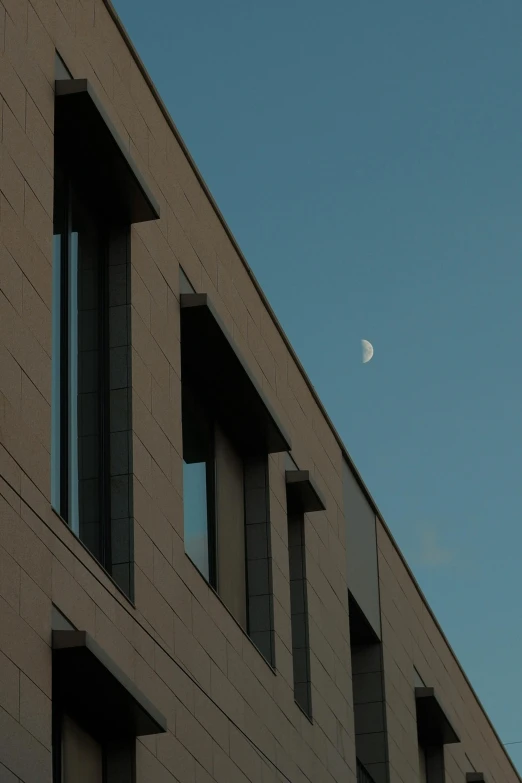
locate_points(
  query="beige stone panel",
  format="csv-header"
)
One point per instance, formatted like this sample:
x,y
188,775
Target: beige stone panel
x,y
167,496
282,624
165,336
38,38
201,241
244,755
147,104
140,293
166,412
260,733
152,436
149,351
2,39
212,720
152,520
145,264
25,547
143,551
106,30
24,447
273,340
72,600
148,767
25,252
129,114
209,635
10,378
22,753
232,300
35,606
9,579
12,88
259,666
46,11
191,654
184,251
111,639
194,737
97,56
10,279
141,380
12,183
154,608
38,131
226,696
261,352
225,770
10,495
17,10
167,581
249,687
225,622
176,758
68,9
36,412
174,677
153,237
24,648
9,687
38,222
28,70
35,711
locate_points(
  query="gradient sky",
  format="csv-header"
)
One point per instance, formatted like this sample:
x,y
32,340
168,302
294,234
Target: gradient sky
x,y
367,156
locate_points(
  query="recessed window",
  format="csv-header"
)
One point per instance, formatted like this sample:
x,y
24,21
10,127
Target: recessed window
x,y
229,430
198,486
98,194
80,443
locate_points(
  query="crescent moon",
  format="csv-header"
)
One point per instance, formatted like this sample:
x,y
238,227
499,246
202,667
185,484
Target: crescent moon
x,y
367,351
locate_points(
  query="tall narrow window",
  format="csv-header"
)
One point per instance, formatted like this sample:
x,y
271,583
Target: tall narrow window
x,y
302,497
198,485
299,612
98,194
228,432
81,490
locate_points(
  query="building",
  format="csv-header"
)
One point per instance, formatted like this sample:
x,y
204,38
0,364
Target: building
x,y
195,583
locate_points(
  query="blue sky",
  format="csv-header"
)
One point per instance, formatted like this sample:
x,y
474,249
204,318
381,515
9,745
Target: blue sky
x,y
367,157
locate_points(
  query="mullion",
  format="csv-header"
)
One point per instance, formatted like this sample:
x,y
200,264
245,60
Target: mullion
x,y
104,400
64,349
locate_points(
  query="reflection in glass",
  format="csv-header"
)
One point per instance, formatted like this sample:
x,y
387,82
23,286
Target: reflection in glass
x,y
73,518
198,469
56,367
79,374
195,514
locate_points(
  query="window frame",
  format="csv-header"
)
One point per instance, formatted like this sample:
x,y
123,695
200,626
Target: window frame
x,y
66,194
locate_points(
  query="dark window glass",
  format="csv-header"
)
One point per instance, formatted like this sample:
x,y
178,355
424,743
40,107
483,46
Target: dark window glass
x,y
299,612
80,456
198,485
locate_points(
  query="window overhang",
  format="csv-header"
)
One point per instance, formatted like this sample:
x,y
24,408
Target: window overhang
x,y
213,367
86,140
475,777
302,495
433,726
94,691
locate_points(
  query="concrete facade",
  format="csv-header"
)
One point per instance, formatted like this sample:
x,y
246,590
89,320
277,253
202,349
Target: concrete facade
x,y
231,717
